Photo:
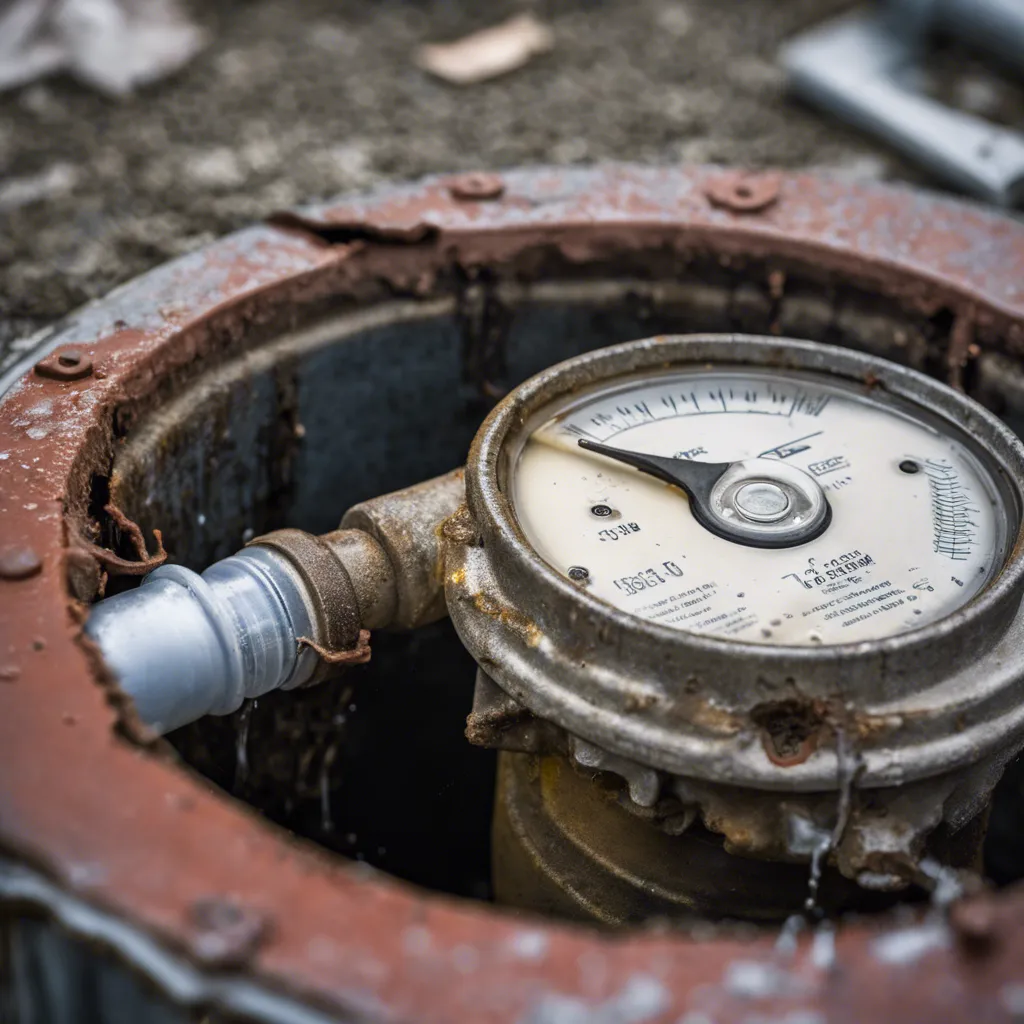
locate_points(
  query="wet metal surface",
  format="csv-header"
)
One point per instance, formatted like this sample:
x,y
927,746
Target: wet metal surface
x,y
130,837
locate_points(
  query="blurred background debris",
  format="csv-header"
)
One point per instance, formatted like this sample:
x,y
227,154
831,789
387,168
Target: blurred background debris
x,y
488,53
110,45
295,100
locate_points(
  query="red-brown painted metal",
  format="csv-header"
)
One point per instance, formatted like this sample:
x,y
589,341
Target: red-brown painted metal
x,y
134,833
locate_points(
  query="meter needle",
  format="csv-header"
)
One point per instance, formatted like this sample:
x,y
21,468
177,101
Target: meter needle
x,y
695,478
756,502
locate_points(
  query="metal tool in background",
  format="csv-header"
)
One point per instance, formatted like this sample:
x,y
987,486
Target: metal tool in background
x,y
861,66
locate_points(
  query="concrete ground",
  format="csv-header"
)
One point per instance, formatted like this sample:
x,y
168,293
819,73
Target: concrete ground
x,y
301,99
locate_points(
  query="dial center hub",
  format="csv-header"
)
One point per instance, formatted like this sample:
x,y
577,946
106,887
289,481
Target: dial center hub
x,y
762,501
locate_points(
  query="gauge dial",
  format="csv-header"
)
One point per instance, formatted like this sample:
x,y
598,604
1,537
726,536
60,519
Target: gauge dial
x,y
914,529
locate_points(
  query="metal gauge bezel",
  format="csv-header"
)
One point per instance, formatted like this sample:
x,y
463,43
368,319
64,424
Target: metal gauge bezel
x,y
619,680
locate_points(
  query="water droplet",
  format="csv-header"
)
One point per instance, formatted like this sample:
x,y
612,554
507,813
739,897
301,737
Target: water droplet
x,y
242,744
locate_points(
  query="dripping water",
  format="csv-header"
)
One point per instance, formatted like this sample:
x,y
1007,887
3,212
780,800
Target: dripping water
x,y
947,883
326,819
242,744
818,855
786,943
807,838
849,764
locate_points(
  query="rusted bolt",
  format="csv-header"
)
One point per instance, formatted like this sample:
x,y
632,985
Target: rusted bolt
x,y
743,193
19,562
974,922
226,934
67,365
476,186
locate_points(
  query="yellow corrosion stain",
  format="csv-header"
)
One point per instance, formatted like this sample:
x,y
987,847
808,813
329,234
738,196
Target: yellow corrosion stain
x,y
518,623
714,719
457,578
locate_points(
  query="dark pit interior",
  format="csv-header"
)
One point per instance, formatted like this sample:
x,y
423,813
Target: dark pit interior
x,y
373,397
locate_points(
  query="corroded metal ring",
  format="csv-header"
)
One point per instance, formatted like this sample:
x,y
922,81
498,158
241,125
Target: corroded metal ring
x,y
122,845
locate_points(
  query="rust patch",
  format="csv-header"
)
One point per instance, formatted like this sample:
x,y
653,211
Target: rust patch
x,y
790,729
709,716
358,655
459,528
523,627
112,563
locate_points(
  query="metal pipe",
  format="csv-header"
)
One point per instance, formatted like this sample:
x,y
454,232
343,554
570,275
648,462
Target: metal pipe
x,y
184,645
278,614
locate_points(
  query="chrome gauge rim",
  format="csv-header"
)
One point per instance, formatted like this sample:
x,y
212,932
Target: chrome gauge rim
x,y
687,703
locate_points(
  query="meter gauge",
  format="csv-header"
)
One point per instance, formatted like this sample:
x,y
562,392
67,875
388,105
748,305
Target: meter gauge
x,y
746,575
766,505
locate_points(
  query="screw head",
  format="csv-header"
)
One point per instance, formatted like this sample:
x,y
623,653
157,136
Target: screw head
x,y
226,934
69,364
476,186
601,511
19,563
743,193
910,466
579,573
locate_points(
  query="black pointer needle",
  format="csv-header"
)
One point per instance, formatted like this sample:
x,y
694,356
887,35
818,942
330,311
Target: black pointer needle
x,y
793,525
695,478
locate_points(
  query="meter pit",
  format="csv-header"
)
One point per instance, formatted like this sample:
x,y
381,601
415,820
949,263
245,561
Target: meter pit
x,y
363,348
375,765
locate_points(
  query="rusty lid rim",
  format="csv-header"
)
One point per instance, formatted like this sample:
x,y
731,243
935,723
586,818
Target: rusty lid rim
x,y
954,253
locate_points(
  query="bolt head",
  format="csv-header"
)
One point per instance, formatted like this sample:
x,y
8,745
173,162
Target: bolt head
x,y
19,562
476,187
743,193
69,364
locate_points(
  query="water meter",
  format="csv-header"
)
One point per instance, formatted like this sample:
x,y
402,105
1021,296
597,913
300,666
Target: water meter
x,y
737,603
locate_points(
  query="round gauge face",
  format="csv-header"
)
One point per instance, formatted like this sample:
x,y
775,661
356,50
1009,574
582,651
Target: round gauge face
x,y
914,526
